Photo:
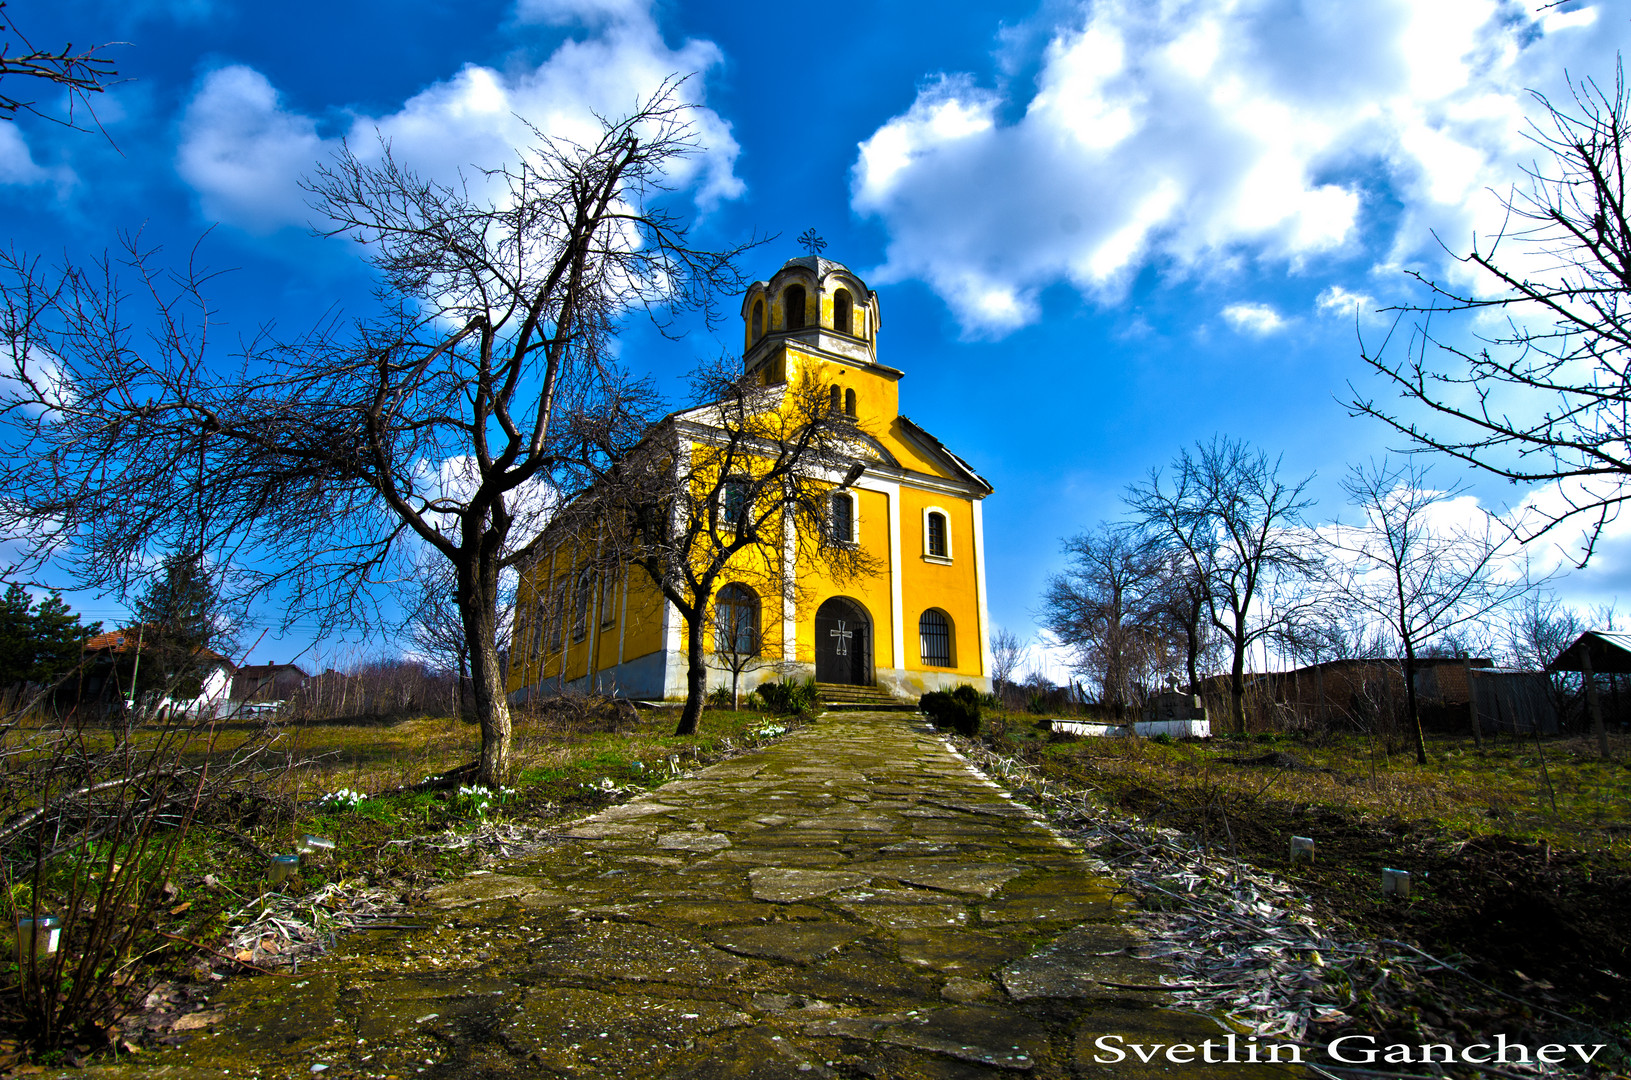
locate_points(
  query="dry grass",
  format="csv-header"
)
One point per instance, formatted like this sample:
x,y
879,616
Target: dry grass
x,y
1557,790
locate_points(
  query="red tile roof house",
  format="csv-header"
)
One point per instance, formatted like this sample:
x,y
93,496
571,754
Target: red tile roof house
x,y
216,676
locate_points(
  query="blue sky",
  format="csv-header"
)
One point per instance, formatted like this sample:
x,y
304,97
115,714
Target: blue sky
x,y
1100,230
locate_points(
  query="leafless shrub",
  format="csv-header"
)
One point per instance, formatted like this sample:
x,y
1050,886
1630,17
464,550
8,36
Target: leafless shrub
x,y
92,819
570,713
376,690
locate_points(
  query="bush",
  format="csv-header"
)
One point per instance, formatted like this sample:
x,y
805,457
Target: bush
x,y
789,696
95,826
721,698
569,712
959,709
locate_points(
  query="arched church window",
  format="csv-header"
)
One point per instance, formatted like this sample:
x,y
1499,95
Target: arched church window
x,y
540,620
580,613
937,535
849,402
841,305
934,639
736,622
734,502
793,307
557,619
843,517
608,598
758,319
836,399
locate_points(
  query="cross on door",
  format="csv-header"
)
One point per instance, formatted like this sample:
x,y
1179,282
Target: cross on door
x,y
843,637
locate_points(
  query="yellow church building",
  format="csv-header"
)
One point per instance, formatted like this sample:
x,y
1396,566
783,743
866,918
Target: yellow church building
x,y
918,621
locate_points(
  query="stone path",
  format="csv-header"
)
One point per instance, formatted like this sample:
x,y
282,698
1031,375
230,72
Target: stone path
x,y
852,901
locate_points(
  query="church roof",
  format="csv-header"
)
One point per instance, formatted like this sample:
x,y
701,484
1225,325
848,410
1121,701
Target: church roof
x,y
816,263
958,465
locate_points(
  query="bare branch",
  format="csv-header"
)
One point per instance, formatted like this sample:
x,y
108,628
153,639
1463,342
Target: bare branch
x,y
78,73
1545,399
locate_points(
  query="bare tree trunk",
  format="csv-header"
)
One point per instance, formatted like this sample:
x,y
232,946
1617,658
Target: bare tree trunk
x,y
1192,648
493,710
696,675
478,605
1237,685
462,675
1411,708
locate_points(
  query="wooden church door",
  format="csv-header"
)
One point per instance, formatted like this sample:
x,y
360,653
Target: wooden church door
x,y
843,643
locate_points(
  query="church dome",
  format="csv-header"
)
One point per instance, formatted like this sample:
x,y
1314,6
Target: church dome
x,y
817,265
817,299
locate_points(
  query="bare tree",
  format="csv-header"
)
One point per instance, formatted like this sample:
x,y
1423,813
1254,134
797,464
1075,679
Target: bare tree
x,y
1006,653
740,488
1413,566
1102,608
483,381
1539,629
1236,523
1544,400
77,72
1333,631
1178,604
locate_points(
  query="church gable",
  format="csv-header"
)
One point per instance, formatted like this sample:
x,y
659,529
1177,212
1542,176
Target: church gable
x,y
925,453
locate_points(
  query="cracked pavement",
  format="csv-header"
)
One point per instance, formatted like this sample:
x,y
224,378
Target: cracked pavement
x,y
854,900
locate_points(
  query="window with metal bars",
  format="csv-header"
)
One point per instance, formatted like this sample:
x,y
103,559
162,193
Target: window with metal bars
x,y
843,518
608,600
934,639
736,622
937,535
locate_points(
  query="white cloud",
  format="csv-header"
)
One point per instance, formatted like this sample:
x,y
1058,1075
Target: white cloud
x,y
1187,133
1548,557
1340,302
1259,320
446,485
244,151
1046,656
17,164
586,12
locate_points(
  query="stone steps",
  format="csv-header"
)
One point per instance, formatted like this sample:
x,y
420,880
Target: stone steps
x,y
841,697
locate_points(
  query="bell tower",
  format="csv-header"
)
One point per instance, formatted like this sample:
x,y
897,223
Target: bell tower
x,y
817,318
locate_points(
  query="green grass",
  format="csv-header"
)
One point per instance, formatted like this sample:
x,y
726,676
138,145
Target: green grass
x,y
558,773
1500,790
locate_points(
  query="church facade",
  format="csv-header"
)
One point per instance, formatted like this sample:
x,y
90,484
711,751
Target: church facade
x,y
918,621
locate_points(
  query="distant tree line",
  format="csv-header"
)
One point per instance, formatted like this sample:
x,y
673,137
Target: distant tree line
x,y
1218,561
